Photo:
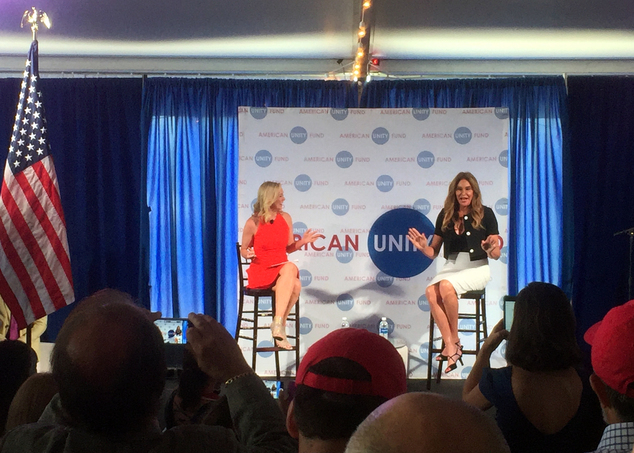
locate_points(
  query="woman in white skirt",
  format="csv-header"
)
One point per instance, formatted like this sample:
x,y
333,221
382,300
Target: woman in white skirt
x,y
469,232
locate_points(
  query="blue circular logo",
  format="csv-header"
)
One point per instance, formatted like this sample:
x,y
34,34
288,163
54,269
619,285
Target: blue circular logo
x,y
390,249
380,136
464,373
344,159
305,325
423,351
390,326
502,206
423,303
422,205
265,344
303,183
501,301
502,349
339,114
420,114
466,324
502,112
384,280
344,256
305,277
504,254
462,136
265,303
340,207
425,159
299,228
385,183
503,158
298,135
253,202
263,158
345,302
258,112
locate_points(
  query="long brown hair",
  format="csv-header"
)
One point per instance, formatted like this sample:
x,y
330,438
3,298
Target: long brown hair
x,y
267,195
451,202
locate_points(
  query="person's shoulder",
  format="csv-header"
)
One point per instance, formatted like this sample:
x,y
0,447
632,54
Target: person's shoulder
x,y
197,438
35,438
286,216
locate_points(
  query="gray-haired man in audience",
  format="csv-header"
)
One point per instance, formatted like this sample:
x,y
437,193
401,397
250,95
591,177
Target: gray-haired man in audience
x,y
109,363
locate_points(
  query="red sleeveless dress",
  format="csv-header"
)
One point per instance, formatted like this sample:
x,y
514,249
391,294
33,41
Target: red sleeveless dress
x,y
269,245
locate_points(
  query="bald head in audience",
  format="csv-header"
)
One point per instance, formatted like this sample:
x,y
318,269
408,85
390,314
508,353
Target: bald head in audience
x,y
427,423
109,363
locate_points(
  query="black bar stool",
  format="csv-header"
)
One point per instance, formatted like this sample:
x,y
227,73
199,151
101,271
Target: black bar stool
x,y
480,330
250,322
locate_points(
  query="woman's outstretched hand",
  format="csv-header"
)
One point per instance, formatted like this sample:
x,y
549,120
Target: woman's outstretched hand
x,y
418,239
310,236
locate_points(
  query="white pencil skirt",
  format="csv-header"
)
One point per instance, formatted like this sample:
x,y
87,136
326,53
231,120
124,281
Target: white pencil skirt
x,y
465,275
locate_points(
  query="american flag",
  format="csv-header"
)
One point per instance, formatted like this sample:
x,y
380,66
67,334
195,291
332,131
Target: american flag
x,y
35,274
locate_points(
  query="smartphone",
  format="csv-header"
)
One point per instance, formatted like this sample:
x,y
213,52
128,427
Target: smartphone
x,y
173,330
274,387
509,309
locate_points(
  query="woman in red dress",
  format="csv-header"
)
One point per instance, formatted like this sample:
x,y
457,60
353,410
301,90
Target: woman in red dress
x,y
267,238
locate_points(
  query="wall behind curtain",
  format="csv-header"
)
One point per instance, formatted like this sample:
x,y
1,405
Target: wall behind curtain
x,y
537,110
602,156
95,136
192,166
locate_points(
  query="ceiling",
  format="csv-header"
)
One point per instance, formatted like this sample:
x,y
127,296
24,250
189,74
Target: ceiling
x,y
302,38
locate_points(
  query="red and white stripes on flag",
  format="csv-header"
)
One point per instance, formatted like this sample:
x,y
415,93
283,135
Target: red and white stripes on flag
x,y
35,272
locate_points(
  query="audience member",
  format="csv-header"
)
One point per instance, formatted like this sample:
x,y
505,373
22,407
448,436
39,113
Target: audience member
x,y
17,363
109,363
195,400
544,403
31,399
430,423
342,378
9,328
612,341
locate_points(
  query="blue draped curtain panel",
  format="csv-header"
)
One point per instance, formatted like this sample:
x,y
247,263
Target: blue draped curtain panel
x,y
602,153
192,174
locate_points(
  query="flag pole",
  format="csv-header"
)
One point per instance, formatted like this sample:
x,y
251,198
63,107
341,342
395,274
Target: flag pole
x,y
32,17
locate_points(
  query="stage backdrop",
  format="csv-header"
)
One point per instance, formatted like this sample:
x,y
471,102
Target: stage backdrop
x,y
362,177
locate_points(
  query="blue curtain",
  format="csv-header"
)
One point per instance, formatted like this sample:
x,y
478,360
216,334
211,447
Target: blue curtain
x,y
192,173
602,156
95,136
538,248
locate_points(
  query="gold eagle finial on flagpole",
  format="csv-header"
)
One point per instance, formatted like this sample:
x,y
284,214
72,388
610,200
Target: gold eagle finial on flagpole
x,y
33,16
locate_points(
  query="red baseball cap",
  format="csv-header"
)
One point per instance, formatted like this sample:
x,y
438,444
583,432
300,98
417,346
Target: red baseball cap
x,y
612,341
374,353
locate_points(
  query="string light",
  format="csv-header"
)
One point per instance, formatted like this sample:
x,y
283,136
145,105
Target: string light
x,y
360,67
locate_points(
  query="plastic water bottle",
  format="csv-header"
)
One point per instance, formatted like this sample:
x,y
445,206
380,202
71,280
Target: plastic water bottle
x,y
344,322
384,328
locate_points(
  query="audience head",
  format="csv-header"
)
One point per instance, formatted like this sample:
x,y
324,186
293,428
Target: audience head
x,y
267,195
612,341
31,399
341,379
427,422
109,364
17,362
542,336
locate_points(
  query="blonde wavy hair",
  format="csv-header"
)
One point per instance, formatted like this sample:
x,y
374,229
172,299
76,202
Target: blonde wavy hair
x,y
268,193
451,202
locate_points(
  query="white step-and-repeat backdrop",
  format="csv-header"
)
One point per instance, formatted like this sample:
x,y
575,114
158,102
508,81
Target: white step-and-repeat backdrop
x,y
362,177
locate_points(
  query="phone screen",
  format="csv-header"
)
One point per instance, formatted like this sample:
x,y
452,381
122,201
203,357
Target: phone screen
x,y
509,308
173,330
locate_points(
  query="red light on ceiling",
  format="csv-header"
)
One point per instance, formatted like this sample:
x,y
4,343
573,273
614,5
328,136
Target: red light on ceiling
x,y
375,62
